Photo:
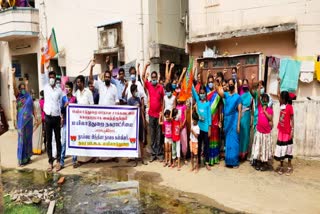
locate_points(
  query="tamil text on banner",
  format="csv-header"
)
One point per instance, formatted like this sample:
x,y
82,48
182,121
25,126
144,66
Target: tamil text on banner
x,y
98,131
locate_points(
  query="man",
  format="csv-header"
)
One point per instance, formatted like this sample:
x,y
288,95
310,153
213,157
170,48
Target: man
x,y
95,93
52,96
133,81
156,94
84,97
120,83
108,93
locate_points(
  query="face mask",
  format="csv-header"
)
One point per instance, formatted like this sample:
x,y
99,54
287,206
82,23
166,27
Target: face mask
x,y
23,92
135,94
231,87
202,96
210,85
58,85
154,82
52,81
264,103
262,91
174,86
168,94
245,88
133,77
107,82
234,76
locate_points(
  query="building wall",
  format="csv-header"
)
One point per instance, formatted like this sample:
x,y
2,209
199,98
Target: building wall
x,y
6,91
76,32
229,15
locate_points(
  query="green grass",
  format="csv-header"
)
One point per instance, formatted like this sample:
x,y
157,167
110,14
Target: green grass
x,y
12,208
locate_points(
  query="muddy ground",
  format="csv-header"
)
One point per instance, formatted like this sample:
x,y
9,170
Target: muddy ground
x,y
243,189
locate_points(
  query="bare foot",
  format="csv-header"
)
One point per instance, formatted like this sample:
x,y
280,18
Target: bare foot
x,y
197,170
208,167
191,170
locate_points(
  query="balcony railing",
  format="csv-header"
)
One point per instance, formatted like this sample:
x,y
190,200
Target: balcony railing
x,y
19,23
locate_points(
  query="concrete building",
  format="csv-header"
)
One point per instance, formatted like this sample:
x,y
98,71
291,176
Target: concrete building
x,y
247,31
125,30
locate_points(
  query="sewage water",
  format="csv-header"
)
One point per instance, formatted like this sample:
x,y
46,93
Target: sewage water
x,y
113,190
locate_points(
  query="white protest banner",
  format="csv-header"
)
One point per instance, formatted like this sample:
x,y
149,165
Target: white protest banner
x,y
102,131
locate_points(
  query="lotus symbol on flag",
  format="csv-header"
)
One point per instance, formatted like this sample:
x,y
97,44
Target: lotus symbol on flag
x,y
73,138
132,140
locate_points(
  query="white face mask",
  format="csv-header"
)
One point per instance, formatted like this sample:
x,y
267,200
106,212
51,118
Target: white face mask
x,y
52,81
58,85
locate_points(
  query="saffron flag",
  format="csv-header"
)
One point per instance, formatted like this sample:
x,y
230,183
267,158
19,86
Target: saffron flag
x,y
51,49
187,82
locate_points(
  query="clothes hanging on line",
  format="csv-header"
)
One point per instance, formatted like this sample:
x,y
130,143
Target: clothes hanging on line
x,y
307,71
289,74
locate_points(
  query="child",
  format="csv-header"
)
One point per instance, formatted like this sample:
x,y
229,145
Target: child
x,y
262,144
135,101
285,134
167,124
66,100
176,129
194,133
182,112
169,99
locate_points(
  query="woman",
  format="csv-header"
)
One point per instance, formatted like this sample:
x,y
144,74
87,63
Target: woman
x,y
232,115
203,110
24,122
37,127
245,123
215,108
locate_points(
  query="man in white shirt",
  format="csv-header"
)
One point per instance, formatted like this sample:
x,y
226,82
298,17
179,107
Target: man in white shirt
x,y
108,94
53,117
107,91
84,97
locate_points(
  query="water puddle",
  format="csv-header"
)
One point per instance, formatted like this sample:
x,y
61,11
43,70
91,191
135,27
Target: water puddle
x,y
113,190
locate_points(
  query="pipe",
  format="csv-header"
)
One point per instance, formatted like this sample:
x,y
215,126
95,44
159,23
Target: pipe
x,y
142,35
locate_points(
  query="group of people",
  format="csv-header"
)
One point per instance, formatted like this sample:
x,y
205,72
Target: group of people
x,y
212,124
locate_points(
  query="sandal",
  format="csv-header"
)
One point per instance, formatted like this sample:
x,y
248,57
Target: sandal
x,y
280,170
50,168
208,167
165,164
76,165
289,171
58,167
144,163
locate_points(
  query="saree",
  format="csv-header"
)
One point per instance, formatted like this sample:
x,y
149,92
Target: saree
x,y
25,127
37,130
246,100
230,129
214,140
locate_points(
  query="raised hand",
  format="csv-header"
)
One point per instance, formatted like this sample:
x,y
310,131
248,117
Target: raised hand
x,y
13,70
201,64
138,66
253,76
171,66
167,62
184,69
148,64
93,63
107,59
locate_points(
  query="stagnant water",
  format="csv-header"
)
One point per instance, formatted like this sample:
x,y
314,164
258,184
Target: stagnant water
x,y
113,190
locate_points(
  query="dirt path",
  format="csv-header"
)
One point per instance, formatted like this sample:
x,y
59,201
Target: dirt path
x,y
242,189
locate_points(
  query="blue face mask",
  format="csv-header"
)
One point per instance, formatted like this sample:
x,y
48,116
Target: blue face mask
x,y
168,94
154,82
23,92
262,91
133,77
174,86
210,85
202,96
